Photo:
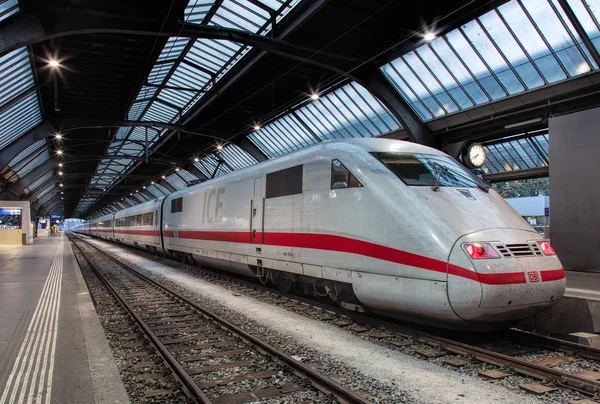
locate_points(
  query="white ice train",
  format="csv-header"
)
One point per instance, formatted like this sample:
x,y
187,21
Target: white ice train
x,y
391,226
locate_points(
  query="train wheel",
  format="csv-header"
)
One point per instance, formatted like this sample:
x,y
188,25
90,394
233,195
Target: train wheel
x,y
285,284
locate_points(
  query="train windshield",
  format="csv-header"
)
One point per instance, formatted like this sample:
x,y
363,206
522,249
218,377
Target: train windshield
x,y
429,170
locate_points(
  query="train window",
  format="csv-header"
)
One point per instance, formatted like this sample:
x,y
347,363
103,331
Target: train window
x,y
176,205
284,182
341,177
147,219
429,170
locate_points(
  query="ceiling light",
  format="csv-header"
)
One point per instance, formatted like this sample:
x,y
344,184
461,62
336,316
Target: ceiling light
x,y
144,187
220,147
163,177
53,63
152,183
60,173
314,96
196,159
256,127
176,168
429,36
514,125
60,164
59,152
137,190
60,185
58,136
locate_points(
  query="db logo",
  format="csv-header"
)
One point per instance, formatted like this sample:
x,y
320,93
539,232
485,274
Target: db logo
x,y
533,276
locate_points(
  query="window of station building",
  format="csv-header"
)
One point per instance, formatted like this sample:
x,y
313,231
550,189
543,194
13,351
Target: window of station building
x,y
341,177
284,182
10,219
176,205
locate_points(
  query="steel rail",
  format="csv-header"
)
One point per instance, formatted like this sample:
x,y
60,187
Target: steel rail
x,y
518,365
320,381
188,383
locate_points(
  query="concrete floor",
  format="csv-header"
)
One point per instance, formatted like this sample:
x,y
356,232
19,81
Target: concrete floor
x,y
583,284
50,335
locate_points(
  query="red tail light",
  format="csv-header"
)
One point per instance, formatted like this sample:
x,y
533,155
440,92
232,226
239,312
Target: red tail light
x,y
546,248
480,251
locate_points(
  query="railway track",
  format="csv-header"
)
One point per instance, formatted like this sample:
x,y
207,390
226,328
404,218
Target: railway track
x,y
207,354
504,351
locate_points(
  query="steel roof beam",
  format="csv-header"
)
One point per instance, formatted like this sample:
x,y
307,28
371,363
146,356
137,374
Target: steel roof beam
x,y
417,131
250,148
337,63
18,187
20,28
36,134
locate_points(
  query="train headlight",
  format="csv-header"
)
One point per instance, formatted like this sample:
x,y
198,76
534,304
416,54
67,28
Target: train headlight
x,y
546,248
480,251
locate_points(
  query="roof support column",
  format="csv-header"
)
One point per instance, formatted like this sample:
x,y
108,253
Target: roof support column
x,y
249,147
376,83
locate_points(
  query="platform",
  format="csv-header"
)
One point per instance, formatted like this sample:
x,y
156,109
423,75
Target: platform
x,y
577,311
52,345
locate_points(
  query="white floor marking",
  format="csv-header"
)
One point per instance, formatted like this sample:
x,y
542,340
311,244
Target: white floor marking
x,y
39,345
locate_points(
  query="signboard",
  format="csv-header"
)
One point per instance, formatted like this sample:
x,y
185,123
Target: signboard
x,y
55,216
10,212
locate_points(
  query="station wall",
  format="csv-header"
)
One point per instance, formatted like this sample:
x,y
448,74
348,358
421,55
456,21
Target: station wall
x,y
575,189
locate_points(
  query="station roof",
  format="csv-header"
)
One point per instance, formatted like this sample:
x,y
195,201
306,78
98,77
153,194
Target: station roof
x,y
150,99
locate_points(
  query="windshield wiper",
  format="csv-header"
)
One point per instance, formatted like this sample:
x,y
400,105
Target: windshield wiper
x,y
438,177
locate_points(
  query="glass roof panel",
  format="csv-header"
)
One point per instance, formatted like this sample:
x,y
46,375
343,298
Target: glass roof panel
x,y
517,153
588,13
21,158
196,10
15,74
40,180
39,158
208,164
187,68
348,112
176,181
187,176
236,157
8,8
154,190
282,136
517,47
49,188
19,118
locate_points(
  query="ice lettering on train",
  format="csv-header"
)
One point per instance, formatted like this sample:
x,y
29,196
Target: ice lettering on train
x,y
210,213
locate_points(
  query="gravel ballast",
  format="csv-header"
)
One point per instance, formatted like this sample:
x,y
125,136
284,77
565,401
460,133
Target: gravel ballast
x,y
385,375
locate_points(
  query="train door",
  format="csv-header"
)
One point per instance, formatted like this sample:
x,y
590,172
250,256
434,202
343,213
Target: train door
x,y
257,219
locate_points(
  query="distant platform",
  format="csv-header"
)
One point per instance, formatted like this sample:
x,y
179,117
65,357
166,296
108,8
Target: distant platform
x,y
51,336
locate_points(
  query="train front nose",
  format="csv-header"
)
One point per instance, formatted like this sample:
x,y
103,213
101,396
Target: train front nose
x,y
497,276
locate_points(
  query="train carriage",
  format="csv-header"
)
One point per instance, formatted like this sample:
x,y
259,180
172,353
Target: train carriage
x,y
102,227
139,226
382,224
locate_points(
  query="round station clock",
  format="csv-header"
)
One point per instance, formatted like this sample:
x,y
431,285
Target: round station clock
x,y
474,155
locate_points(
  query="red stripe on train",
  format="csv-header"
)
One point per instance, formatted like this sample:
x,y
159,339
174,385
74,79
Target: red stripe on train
x,y
553,275
330,242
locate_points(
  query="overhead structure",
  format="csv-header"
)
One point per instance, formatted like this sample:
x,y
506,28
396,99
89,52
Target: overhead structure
x,y
112,104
